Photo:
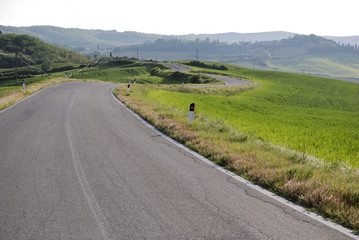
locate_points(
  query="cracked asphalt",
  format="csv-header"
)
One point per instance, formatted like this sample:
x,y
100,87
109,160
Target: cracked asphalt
x,y
75,164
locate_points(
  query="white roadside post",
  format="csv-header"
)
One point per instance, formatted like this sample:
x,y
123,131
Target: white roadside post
x,y
23,84
128,88
191,112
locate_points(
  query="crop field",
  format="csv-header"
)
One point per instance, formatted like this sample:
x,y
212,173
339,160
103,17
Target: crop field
x,y
294,134
338,64
316,116
331,135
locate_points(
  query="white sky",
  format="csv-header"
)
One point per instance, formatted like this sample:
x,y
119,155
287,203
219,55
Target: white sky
x,y
320,17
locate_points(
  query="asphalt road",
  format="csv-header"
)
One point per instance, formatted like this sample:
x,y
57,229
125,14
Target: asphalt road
x,y
176,67
75,164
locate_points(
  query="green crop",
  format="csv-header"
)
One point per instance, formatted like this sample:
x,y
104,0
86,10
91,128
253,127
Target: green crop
x,y
312,115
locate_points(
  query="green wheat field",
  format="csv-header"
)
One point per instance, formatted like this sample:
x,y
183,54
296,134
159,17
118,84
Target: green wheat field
x,y
316,116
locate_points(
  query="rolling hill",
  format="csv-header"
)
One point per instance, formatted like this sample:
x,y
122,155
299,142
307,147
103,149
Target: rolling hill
x,y
330,56
82,39
309,54
34,51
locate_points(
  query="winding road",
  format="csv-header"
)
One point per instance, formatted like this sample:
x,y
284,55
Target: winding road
x,y
76,164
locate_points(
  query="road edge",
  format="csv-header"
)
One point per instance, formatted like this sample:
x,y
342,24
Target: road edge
x,y
25,98
279,199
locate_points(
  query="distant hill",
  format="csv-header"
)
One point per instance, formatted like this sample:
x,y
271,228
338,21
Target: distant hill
x,y
352,40
233,37
285,51
289,47
308,54
34,51
81,39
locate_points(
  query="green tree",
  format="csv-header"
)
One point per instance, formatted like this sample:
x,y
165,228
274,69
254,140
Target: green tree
x,y
195,78
46,65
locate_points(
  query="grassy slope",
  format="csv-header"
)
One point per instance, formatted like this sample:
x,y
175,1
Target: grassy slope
x,y
35,51
336,65
319,114
122,74
141,71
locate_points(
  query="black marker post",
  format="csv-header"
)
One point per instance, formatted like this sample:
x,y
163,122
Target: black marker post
x,y
191,112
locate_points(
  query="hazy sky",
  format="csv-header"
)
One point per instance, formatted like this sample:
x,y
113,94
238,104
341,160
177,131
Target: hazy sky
x,y
321,17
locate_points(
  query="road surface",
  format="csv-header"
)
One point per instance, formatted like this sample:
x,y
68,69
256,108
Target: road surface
x,y
176,67
75,164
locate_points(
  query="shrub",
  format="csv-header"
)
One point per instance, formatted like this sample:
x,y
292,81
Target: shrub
x,y
155,71
204,65
177,75
195,78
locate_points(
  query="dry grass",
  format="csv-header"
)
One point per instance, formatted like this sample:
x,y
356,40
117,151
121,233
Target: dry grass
x,y
12,97
329,190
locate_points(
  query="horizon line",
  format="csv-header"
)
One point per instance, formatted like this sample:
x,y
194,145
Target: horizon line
x,y
173,34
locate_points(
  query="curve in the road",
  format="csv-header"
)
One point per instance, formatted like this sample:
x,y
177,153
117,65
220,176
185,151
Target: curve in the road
x,y
248,183
75,164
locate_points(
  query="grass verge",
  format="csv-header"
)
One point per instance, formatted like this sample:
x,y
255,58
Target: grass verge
x,y
328,189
